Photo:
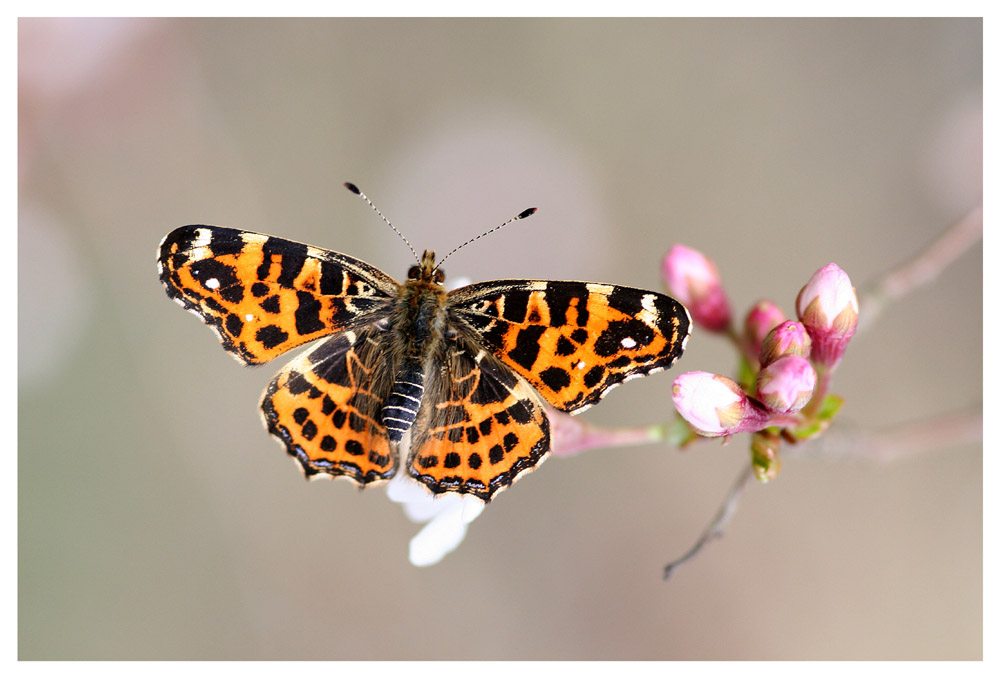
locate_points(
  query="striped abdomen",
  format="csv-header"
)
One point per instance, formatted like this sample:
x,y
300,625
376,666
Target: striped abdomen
x,y
400,409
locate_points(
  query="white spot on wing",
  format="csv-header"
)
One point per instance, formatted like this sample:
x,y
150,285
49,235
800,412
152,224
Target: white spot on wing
x,y
649,303
212,283
202,238
628,342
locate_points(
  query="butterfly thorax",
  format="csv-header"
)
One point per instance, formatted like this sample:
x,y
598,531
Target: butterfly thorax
x,y
417,325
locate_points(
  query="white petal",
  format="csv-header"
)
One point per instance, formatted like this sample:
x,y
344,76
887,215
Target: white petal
x,y
439,537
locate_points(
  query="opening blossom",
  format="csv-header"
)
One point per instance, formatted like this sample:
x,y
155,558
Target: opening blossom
x,y
715,405
693,280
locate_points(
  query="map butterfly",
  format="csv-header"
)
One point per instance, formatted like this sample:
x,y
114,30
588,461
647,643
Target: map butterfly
x,y
465,372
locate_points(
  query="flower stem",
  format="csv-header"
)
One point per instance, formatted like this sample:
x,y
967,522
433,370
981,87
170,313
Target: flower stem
x,y
823,378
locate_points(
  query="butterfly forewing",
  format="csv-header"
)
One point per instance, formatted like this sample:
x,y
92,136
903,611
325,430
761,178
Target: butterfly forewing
x,y
573,341
263,295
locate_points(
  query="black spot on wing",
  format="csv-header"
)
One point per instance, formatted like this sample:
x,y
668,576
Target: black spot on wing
x,y
293,258
561,296
515,305
331,279
626,299
555,378
297,384
593,376
271,336
272,304
496,454
307,318
234,325
526,346
565,347
510,441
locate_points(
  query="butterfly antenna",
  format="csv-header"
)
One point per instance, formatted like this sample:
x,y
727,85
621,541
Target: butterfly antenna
x,y
355,190
523,215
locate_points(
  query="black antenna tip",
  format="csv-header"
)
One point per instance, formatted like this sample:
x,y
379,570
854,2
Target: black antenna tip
x,y
352,188
527,213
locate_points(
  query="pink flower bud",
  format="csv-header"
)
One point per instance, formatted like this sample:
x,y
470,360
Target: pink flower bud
x,y
787,384
694,280
828,307
788,338
715,406
762,318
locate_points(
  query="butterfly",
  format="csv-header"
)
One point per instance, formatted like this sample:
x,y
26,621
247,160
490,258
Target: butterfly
x,y
465,373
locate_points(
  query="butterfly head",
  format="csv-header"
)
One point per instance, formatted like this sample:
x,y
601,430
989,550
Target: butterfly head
x,y
426,271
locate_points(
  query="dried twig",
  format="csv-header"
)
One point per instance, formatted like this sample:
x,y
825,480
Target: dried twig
x,y
718,525
845,443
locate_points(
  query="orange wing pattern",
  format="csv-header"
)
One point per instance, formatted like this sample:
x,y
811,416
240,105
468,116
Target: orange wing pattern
x,y
479,428
573,341
324,406
263,295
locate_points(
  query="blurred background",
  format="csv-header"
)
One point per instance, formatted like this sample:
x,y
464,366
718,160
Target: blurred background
x,y
158,520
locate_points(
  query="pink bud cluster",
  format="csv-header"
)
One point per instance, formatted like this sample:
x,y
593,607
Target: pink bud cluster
x,y
787,356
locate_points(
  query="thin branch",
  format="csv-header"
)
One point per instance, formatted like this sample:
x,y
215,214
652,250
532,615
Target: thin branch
x,y
939,433
922,268
717,527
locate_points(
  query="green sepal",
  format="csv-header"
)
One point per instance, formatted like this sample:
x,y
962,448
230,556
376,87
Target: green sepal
x,y
679,433
746,376
817,424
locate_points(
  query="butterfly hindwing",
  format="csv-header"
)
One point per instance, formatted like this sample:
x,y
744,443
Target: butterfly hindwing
x,y
479,428
573,341
264,295
325,406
